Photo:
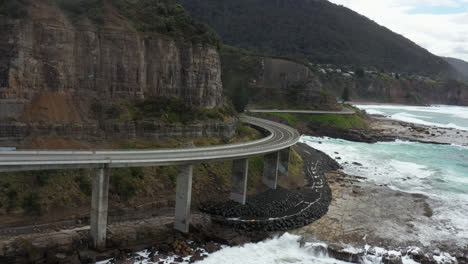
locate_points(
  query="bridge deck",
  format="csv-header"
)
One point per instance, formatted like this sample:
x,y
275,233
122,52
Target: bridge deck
x,y
280,137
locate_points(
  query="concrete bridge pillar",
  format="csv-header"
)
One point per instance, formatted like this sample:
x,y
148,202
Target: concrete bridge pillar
x,y
270,170
99,206
183,198
240,170
284,161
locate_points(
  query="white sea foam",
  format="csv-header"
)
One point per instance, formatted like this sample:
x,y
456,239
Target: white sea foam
x,y
438,171
374,112
439,115
413,119
458,111
287,249
280,250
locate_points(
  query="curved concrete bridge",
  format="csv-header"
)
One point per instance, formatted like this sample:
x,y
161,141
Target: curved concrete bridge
x,y
275,147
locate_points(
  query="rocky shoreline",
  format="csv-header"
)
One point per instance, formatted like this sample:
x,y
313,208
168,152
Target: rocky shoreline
x,y
156,234
370,218
358,214
364,221
383,130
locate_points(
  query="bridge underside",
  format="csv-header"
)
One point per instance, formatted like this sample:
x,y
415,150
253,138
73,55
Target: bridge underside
x,y
275,147
274,163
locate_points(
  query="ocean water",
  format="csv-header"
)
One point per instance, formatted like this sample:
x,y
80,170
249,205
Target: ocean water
x,y
280,250
436,115
438,171
285,249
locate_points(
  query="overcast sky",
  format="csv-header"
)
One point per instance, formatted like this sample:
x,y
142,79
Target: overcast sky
x,y
441,26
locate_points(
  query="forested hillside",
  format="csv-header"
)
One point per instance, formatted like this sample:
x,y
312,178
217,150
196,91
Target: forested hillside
x,y
460,65
163,16
317,30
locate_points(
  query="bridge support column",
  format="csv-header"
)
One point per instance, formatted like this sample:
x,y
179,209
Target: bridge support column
x,y
183,198
240,170
284,161
99,205
270,170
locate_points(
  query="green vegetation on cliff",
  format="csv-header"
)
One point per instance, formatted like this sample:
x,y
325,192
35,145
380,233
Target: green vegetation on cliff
x,y
242,74
162,16
77,9
322,120
320,31
163,109
239,68
14,8
166,17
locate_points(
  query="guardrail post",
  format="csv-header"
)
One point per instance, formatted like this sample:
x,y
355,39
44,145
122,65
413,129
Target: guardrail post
x,y
284,161
183,198
240,170
270,170
99,206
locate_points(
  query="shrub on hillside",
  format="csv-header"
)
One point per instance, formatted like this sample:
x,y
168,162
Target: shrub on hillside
x,y
84,183
31,204
77,9
166,17
14,8
124,181
173,110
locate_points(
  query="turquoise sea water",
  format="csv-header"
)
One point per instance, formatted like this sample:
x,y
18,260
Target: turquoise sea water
x,y
438,171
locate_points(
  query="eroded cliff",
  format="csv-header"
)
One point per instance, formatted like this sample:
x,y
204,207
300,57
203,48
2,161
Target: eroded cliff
x,y
46,53
301,83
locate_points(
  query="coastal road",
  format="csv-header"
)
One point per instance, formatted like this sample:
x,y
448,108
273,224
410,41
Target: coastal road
x,y
280,137
345,111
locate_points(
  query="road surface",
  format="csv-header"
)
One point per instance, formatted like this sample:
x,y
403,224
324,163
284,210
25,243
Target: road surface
x,y
280,137
345,111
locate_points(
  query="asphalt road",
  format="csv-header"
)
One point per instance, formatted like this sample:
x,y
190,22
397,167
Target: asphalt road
x,y
345,111
280,137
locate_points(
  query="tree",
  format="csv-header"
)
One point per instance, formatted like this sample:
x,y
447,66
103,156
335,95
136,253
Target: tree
x,y
345,95
239,96
360,72
14,8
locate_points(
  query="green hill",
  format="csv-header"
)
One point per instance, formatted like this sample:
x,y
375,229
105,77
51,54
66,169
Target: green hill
x,y
460,65
318,30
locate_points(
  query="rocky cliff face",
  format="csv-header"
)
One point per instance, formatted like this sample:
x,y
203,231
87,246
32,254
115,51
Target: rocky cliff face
x,y
283,83
305,84
45,52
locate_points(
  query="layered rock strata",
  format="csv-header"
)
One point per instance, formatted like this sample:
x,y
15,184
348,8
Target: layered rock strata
x,y
45,52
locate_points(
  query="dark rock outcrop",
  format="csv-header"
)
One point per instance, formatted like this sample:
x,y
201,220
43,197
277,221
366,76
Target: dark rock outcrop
x,y
281,209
